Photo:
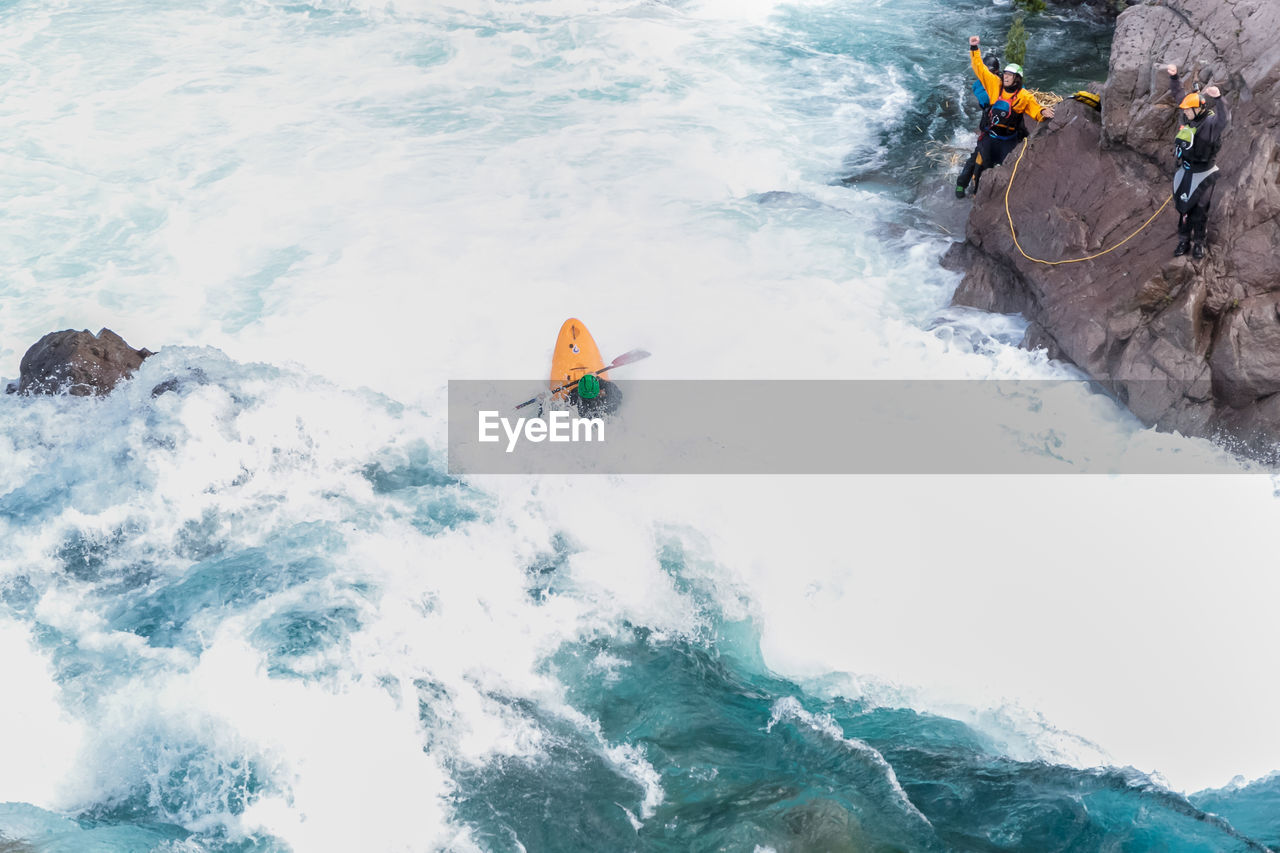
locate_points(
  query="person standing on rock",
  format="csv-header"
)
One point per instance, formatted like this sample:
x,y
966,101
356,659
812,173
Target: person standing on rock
x,y
1196,145
980,92
1005,124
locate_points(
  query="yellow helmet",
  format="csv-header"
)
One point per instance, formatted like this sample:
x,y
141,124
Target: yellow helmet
x,y
1194,101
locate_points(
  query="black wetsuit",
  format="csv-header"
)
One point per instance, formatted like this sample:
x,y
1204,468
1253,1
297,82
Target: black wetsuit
x,y
1195,177
995,143
606,403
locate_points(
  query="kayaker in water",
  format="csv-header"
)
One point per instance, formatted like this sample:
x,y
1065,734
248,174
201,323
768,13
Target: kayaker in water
x,y
576,355
594,397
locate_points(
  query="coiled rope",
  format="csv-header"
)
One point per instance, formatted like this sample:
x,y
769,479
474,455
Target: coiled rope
x,y
1014,233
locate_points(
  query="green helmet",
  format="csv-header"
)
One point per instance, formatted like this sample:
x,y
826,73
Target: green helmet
x,y
589,387
1013,68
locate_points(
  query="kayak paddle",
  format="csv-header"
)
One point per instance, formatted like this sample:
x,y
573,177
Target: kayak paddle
x,y
626,358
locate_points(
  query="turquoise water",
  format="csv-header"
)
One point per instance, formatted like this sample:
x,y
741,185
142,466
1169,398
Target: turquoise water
x,y
255,613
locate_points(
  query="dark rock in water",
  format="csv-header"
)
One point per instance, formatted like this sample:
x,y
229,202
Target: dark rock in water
x,y
1110,7
7,846
78,363
795,201
192,376
1189,345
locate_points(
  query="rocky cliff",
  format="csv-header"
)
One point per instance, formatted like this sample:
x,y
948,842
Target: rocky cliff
x,y
1187,345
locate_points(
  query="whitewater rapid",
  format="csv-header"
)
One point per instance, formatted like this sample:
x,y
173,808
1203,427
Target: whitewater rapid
x,y
328,211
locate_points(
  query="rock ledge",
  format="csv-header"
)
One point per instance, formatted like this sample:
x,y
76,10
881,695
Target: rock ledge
x,y
1188,345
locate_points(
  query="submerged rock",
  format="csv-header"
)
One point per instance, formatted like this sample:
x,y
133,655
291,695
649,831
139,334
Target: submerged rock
x,y
78,363
1188,345
179,382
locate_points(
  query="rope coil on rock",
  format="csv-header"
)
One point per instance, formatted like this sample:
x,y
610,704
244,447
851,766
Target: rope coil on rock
x,y
1014,233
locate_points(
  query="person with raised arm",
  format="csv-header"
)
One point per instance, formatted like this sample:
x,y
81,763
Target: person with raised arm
x,y
1005,124
1195,147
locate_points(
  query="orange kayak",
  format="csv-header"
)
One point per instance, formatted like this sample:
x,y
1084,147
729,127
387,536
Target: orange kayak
x,y
576,353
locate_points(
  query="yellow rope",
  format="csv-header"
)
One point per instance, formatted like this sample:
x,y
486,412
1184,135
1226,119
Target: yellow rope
x,y
1072,260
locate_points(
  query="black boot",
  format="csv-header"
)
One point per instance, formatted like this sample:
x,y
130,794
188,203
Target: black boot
x,y
1184,244
959,191
1197,250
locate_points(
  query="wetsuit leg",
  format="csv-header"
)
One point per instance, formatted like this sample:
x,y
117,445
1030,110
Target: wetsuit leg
x,y
977,176
1198,216
966,174
1000,149
991,153
982,159
1184,217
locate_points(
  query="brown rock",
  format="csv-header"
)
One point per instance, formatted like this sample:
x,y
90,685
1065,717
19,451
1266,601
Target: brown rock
x,y
1189,345
78,363
1246,353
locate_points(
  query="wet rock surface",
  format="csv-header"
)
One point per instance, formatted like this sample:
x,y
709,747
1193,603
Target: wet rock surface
x,y
77,363
1188,345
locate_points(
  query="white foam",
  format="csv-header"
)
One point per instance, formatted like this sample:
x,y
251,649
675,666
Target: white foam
x,y
426,195
1130,635
38,739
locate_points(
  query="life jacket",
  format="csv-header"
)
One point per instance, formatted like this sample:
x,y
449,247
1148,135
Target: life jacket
x,y
980,92
984,101
1004,123
1190,180
1185,141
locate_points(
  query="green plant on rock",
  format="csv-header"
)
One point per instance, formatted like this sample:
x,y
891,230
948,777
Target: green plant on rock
x,y
1015,48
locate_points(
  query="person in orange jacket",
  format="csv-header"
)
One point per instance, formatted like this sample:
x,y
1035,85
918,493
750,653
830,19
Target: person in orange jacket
x,y
1009,103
